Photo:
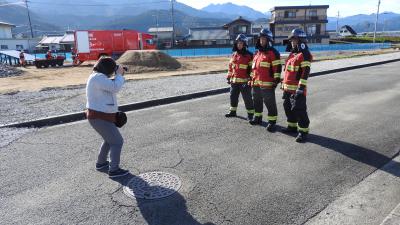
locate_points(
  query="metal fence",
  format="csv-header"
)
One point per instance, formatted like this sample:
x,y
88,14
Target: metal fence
x,y
196,52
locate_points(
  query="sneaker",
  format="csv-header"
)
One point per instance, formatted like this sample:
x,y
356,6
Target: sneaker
x,y
118,173
101,166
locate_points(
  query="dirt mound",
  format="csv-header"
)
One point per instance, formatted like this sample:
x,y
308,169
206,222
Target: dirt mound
x,y
139,61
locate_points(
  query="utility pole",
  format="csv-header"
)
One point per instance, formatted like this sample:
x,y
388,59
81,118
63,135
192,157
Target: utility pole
x,y
376,21
157,26
173,23
29,17
337,23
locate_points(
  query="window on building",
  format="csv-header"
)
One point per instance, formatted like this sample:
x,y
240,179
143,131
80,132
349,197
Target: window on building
x,y
311,29
221,42
19,47
290,14
207,42
313,12
242,29
4,47
290,28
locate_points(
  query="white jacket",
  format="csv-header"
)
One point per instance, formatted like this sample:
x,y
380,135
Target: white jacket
x,y
101,92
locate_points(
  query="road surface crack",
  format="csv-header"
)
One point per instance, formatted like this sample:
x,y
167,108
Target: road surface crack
x,y
177,164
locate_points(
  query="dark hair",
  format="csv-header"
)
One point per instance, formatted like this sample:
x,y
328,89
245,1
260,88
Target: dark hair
x,y
105,65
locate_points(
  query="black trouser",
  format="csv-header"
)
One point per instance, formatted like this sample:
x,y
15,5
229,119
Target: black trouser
x,y
296,112
245,89
266,96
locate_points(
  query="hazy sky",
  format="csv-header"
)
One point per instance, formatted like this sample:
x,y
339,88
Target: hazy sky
x,y
346,7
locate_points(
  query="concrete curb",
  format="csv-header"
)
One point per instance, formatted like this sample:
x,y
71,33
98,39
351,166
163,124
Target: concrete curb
x,y
68,118
393,218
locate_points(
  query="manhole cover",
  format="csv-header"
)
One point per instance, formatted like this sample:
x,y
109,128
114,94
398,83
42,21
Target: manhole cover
x,y
153,185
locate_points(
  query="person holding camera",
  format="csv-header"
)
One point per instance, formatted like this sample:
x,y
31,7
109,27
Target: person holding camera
x,y
102,113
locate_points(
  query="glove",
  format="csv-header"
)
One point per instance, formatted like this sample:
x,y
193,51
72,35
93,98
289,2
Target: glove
x,y
228,80
298,94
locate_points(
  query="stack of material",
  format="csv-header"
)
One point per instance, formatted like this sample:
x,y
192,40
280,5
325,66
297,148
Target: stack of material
x,y
139,61
9,71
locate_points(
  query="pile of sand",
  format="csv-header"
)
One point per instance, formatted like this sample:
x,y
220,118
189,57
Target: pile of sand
x,y
139,61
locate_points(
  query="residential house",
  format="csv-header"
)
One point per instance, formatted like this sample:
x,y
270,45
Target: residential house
x,y
8,42
312,19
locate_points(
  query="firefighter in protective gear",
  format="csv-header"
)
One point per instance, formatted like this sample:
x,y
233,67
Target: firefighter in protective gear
x,y
22,58
266,75
49,55
239,76
297,70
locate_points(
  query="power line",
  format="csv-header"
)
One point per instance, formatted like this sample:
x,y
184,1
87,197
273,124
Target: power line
x,y
29,17
376,21
173,22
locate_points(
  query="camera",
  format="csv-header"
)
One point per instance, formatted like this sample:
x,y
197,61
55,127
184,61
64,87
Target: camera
x,y
124,67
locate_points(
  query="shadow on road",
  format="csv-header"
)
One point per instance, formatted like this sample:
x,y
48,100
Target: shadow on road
x,y
167,211
355,152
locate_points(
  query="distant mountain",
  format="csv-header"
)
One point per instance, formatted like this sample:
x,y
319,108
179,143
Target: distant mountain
x,y
148,19
235,10
77,14
365,23
49,16
17,15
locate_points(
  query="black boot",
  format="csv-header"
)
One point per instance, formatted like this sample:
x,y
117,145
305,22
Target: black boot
x,y
301,137
289,130
257,120
271,127
250,116
231,114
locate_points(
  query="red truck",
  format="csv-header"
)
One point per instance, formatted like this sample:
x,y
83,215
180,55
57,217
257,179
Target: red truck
x,y
93,44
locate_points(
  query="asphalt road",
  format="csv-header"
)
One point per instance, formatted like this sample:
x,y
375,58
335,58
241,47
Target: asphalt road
x,y
232,173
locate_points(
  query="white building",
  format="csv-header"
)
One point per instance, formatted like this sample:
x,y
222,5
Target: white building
x,y
5,30
7,42
50,42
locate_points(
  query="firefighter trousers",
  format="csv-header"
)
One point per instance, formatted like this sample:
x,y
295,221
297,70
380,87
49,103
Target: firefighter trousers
x,y
266,96
296,112
245,89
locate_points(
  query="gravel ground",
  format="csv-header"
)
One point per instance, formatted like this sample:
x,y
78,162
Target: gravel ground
x,y
24,106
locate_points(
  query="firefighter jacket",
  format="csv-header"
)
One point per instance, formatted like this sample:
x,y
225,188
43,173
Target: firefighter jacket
x,y
49,56
240,67
266,69
297,70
